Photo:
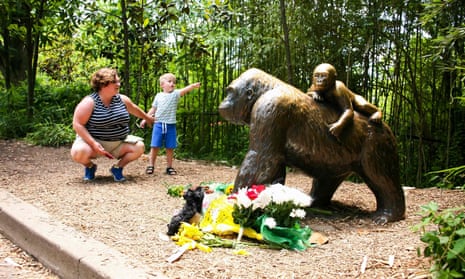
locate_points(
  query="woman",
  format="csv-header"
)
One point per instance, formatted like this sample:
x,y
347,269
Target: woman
x,y
101,122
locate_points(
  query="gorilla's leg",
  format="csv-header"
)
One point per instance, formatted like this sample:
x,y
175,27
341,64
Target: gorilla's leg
x,y
323,189
390,200
380,171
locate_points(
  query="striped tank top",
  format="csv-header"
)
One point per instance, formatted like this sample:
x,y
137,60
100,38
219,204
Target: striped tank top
x,y
108,123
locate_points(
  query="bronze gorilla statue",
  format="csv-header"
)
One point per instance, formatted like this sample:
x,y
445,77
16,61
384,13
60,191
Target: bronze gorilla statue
x,y
288,128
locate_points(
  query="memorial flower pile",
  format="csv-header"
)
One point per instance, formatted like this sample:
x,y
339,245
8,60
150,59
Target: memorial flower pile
x,y
271,215
274,211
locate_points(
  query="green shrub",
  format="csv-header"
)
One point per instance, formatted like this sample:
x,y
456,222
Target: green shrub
x,y
444,234
51,134
51,105
14,124
448,178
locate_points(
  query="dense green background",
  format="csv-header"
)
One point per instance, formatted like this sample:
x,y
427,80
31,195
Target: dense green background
x,y
407,57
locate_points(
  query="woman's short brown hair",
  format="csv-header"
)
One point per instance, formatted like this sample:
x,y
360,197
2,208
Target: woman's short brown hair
x,y
102,78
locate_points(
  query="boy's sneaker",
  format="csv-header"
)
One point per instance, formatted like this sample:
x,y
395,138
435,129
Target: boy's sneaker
x,y
89,173
117,173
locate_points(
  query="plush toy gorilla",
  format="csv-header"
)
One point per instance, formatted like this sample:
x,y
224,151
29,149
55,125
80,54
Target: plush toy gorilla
x,y
193,206
288,128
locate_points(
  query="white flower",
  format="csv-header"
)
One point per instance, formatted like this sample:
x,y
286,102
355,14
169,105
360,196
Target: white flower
x,y
299,213
270,222
263,199
282,194
278,193
243,199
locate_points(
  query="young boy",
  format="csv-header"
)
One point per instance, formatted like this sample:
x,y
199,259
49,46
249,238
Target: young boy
x,y
164,131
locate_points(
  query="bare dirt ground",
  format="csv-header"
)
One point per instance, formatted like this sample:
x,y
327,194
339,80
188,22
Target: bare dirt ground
x,y
132,216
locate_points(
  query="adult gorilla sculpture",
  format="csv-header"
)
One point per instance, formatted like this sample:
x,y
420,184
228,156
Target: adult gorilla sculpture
x,y
288,128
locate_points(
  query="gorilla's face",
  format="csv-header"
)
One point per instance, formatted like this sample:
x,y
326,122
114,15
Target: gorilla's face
x,y
242,94
236,106
324,77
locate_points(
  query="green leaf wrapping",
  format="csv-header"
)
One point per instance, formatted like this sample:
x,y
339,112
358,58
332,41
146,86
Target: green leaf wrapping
x,y
289,238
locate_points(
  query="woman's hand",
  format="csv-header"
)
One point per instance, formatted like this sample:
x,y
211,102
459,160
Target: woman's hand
x,y
100,150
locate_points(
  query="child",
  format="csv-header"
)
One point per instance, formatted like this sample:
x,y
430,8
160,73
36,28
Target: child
x,y
164,131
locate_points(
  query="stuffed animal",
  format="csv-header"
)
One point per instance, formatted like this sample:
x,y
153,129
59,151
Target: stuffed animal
x,y
191,209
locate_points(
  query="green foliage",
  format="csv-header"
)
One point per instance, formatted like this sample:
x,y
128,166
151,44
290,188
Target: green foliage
x,y
56,102
51,134
54,106
448,178
13,124
445,242
246,216
407,57
13,117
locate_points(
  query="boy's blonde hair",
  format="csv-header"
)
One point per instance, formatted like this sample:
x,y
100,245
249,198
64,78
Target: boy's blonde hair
x,y
167,76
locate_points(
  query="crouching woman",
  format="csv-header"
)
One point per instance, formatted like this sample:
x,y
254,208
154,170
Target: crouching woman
x,y
101,123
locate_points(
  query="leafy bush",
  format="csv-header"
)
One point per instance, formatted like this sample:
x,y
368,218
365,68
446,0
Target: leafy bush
x,y
51,134
51,105
448,178
446,242
14,124
56,103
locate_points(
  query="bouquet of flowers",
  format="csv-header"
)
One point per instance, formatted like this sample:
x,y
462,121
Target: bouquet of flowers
x,y
275,211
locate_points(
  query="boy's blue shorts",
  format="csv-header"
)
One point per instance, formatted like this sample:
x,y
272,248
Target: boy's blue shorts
x,y
163,133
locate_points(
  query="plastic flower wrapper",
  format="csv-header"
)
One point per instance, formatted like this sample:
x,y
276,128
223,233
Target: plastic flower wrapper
x,y
295,238
218,220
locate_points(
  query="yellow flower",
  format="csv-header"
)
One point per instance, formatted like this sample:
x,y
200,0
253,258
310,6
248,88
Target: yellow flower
x,y
241,252
188,236
251,233
228,190
181,240
190,231
203,247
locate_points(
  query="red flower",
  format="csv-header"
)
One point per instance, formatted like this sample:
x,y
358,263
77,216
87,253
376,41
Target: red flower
x,y
259,188
254,191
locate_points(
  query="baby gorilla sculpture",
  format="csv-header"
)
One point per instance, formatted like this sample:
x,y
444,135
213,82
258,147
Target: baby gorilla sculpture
x,y
288,128
325,87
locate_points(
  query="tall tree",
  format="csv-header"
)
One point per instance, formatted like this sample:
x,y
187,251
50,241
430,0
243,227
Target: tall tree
x,y
13,51
27,25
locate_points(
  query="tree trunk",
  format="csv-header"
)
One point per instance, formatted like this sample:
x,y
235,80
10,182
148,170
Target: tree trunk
x,y
30,76
6,58
32,47
124,21
13,56
287,48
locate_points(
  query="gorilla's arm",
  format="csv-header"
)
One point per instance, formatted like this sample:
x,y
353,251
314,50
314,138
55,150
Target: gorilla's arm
x,y
264,163
341,96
